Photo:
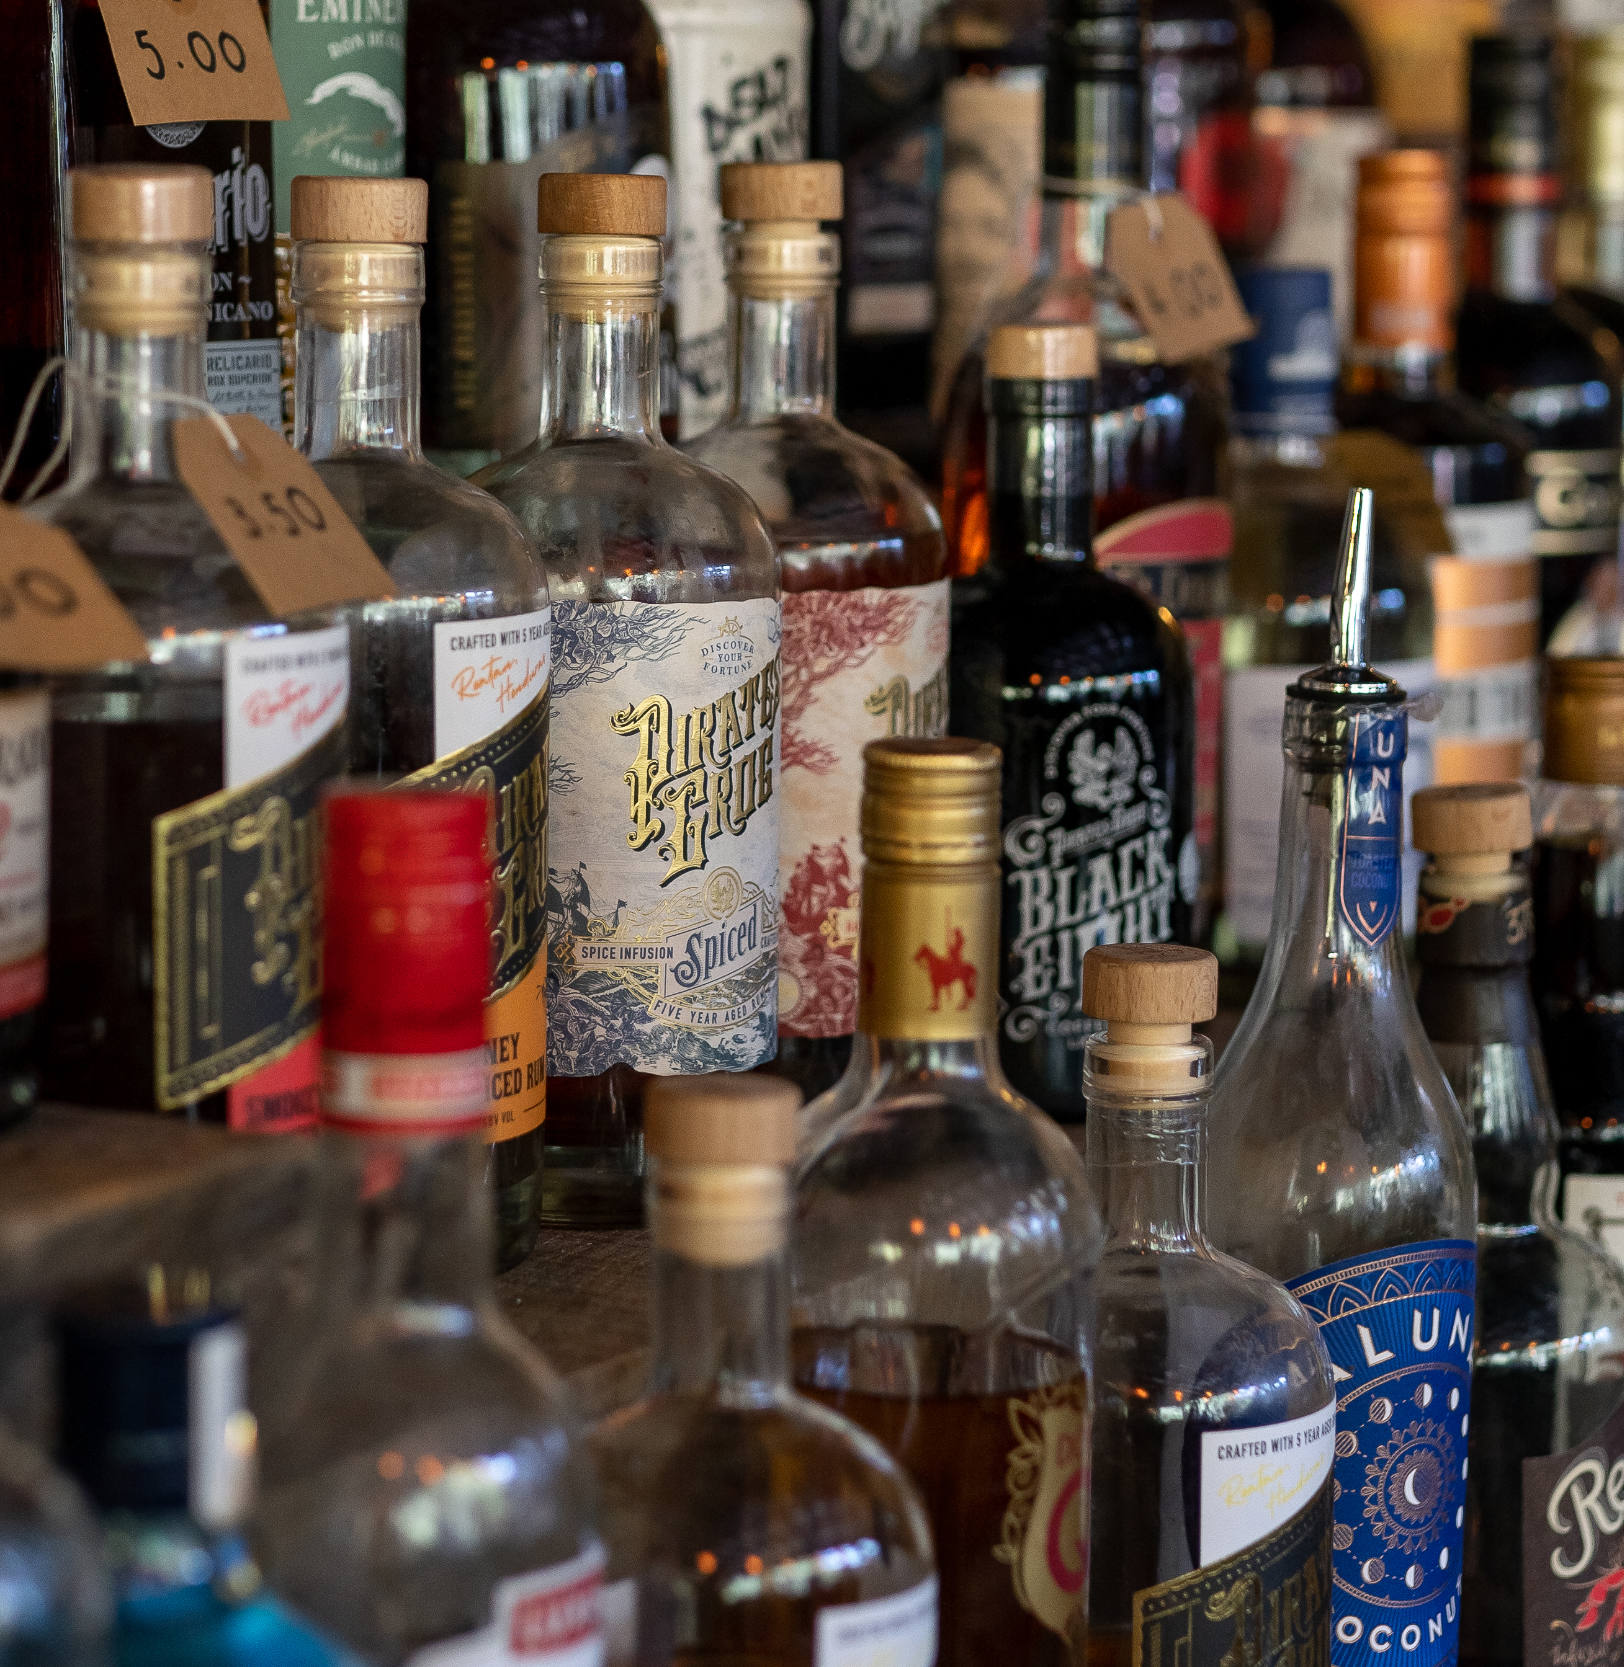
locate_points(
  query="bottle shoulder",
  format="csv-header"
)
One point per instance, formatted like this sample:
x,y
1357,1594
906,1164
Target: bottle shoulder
x,y
1507,347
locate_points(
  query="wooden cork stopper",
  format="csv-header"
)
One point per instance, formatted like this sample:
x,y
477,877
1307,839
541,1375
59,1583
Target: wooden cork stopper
x,y
336,210
781,191
600,205
1043,352
1481,818
1150,984
122,202
722,1120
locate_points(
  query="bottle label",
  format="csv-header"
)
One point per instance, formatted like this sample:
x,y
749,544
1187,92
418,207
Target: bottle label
x,y
1042,1536
550,1618
1398,1328
1576,501
859,666
1253,1481
490,730
897,1631
662,885
236,904
928,955
1457,932
1573,1552
1268,1606
219,1463
1593,1206
739,79
25,807
1106,857
405,1093
1370,826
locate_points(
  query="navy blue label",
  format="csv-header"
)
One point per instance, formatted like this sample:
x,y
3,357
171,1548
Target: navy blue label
x,y
1284,378
1369,863
1398,1328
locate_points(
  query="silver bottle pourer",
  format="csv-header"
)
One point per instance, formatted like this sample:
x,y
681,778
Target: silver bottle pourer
x,y
1348,675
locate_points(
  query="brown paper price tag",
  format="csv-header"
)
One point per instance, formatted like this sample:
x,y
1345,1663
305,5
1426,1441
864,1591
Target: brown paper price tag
x,y
194,61
298,548
56,613
1164,255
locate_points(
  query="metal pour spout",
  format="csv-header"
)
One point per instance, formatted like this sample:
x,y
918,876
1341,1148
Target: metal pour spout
x,y
1350,601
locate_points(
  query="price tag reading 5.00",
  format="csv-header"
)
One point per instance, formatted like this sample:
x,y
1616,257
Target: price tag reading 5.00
x,y
194,61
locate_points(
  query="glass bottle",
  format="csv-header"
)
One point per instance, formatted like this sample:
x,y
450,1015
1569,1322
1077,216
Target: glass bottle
x,y
1214,1410
1084,683
150,760
865,586
1578,967
944,1229
1523,346
1398,378
1591,247
425,1485
152,1381
1340,1162
436,697
1550,1307
1291,472
662,883
1160,431
499,92
744,1523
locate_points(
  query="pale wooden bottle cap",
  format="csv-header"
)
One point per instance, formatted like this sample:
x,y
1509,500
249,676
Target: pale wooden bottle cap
x,y
781,191
725,1119
329,209
1480,818
1150,984
1043,352
126,202
600,205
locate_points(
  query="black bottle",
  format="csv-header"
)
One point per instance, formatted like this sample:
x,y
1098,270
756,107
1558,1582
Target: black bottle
x,y
1085,683
1521,344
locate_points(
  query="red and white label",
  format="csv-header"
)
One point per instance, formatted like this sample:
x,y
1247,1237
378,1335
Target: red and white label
x,y
486,672
550,1618
1192,529
406,1093
25,803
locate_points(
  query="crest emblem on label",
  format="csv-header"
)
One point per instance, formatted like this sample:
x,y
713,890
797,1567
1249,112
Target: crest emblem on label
x,y
1043,1540
1369,872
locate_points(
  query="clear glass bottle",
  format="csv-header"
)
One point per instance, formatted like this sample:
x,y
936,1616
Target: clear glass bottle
x,y
153,1421
1340,1162
1214,1410
142,753
1084,683
425,1484
1550,1306
944,1228
663,835
865,586
436,698
744,1523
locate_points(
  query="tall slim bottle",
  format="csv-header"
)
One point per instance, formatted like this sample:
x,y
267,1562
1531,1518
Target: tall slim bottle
x,y
1550,1306
449,677
1522,345
865,585
1340,1160
662,882
1085,685
153,761
944,1228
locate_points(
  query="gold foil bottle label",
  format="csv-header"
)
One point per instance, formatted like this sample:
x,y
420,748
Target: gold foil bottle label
x,y
928,969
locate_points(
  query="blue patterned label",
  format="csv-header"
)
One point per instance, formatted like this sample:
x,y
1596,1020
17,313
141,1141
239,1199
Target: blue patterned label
x,y
1368,868
1398,1329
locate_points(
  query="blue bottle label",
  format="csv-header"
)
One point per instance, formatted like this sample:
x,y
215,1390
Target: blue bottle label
x,y
1398,1329
1368,861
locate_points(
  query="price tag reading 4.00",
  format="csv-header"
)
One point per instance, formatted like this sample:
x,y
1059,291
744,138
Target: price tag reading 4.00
x,y
1164,254
194,61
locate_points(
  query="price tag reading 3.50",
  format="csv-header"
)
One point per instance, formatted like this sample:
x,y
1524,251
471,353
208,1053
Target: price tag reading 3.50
x,y
194,61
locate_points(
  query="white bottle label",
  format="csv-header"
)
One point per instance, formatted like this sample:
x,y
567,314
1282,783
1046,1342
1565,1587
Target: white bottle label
x,y
1593,1206
662,880
549,1618
25,807
486,671
221,1433
283,694
1253,1481
897,1631
859,666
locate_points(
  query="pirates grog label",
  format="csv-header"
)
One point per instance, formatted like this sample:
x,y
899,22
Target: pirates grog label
x,y
662,879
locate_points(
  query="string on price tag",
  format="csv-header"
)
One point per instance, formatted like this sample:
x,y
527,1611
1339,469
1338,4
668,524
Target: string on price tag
x,y
194,61
1164,255
298,548
56,613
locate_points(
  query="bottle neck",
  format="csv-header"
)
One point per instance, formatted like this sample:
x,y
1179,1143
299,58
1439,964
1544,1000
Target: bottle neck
x,y
122,418
1511,250
356,385
1602,231
783,361
1040,471
1093,113
602,376
1146,1160
1411,370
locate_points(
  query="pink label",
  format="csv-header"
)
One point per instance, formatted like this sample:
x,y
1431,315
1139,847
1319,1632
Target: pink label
x,y
1192,529
858,666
